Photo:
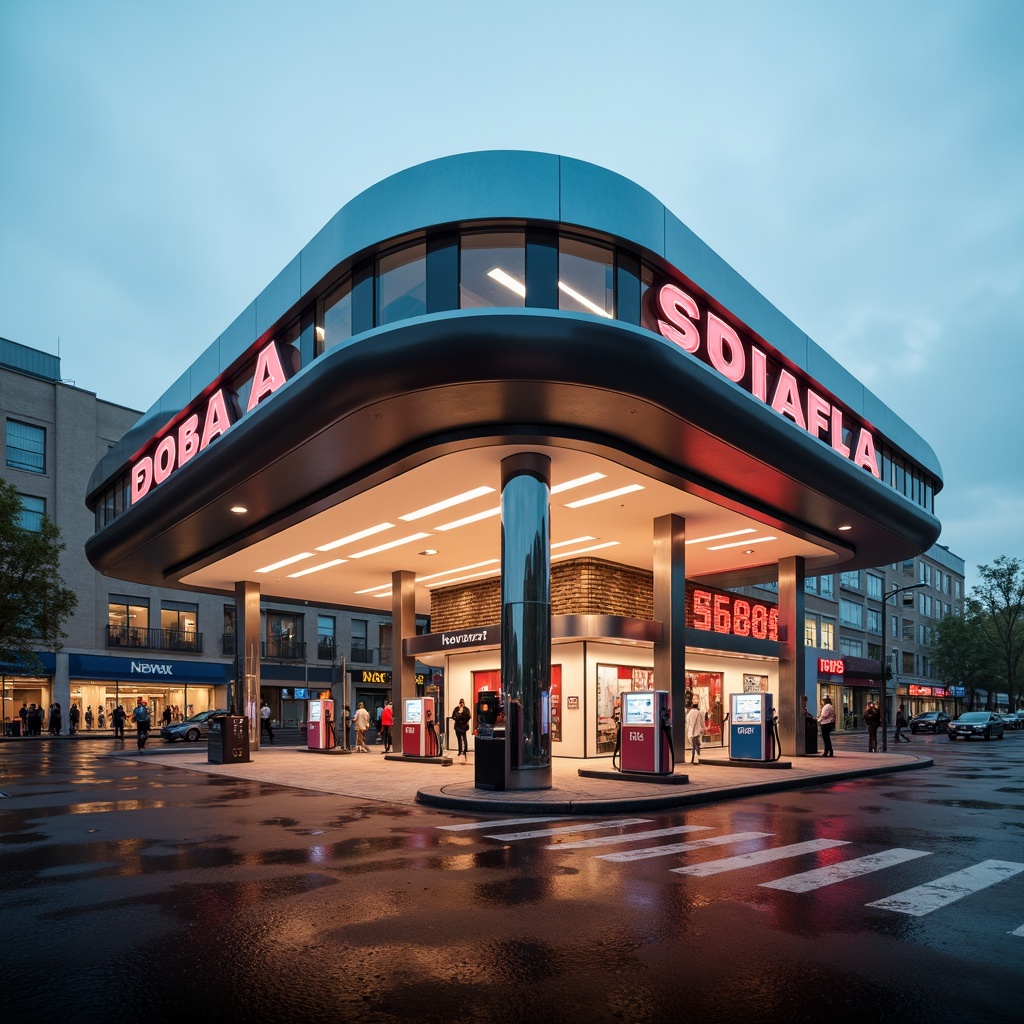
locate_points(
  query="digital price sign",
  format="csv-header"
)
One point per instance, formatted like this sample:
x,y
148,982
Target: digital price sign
x,y
718,611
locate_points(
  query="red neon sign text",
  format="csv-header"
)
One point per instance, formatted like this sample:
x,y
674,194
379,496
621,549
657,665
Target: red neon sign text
x,y
718,611
831,666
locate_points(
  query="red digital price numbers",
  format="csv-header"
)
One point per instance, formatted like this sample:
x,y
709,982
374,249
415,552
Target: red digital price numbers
x,y
718,611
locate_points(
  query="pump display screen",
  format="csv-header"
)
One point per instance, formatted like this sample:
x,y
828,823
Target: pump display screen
x,y
746,707
314,710
638,709
413,712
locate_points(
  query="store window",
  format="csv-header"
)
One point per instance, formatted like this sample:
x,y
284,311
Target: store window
x,y
612,681
360,651
26,447
586,278
127,622
402,284
32,511
325,637
492,270
851,614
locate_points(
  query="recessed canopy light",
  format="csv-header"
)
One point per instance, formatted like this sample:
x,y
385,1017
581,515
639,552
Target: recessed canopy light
x,y
578,482
316,568
455,524
721,536
390,544
583,551
461,568
239,510
428,551
740,543
458,499
846,526
353,537
748,551
593,499
286,561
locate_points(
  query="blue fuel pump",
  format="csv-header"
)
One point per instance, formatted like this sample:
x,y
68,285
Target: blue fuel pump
x,y
753,733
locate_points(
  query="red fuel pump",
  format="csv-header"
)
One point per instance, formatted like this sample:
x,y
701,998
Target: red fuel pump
x,y
646,742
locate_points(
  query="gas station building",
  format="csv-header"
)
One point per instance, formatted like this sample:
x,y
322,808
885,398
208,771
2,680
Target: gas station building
x,y
513,392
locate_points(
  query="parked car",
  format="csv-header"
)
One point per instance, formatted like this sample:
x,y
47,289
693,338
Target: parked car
x,y
1010,719
192,729
930,721
985,724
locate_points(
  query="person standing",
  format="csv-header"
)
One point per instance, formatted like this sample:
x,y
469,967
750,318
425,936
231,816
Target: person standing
x,y
872,718
140,716
56,719
103,717
23,715
117,719
265,726
167,715
73,718
361,721
387,719
901,724
694,725
88,717
827,721
462,717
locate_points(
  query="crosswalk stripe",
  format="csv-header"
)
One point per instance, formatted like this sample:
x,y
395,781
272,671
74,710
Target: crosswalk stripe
x,y
633,837
540,833
1018,931
923,899
468,826
696,844
817,878
746,860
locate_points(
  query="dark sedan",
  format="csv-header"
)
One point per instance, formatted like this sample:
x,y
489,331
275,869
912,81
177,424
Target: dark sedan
x,y
985,724
930,721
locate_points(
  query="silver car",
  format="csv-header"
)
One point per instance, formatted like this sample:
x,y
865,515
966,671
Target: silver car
x,y
192,729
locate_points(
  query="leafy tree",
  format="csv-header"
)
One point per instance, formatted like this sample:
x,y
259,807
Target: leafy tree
x,y
960,653
34,603
998,603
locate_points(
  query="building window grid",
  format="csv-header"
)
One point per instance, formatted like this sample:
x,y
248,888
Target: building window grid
x,y
26,447
32,511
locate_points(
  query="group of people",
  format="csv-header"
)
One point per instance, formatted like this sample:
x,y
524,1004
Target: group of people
x,y
872,720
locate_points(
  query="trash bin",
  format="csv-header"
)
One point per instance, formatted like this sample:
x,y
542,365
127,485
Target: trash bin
x,y
228,741
489,760
810,735
12,728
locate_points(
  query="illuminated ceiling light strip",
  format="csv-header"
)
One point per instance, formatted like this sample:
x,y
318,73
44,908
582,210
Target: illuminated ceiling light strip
x,y
502,277
581,551
584,301
371,590
604,497
459,579
575,540
459,499
353,537
741,543
316,568
578,482
387,593
389,545
286,561
469,519
461,568
721,536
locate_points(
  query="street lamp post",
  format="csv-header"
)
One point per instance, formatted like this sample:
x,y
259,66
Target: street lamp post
x,y
884,665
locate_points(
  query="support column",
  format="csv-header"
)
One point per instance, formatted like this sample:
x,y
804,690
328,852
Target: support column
x,y
246,693
526,619
403,668
792,668
670,611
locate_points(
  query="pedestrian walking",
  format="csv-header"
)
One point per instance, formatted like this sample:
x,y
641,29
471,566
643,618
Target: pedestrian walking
x,y
462,717
140,716
872,718
827,721
265,726
901,724
387,719
694,727
167,715
361,721
117,720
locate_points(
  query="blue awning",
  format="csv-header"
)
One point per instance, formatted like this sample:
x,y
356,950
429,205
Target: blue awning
x,y
150,670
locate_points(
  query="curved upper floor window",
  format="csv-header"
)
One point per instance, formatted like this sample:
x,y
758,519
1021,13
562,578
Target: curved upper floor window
x,y
586,277
492,269
402,284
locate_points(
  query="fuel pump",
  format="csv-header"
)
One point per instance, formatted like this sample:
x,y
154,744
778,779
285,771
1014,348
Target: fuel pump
x,y
419,728
754,729
646,733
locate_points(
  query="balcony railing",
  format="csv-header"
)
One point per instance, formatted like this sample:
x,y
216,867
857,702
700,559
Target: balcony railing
x,y
325,649
283,648
155,639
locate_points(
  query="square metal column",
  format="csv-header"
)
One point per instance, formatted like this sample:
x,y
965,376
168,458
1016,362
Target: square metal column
x,y
670,611
246,695
403,625
792,670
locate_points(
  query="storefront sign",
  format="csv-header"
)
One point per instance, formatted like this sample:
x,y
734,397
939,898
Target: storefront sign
x,y
203,421
695,326
831,666
719,611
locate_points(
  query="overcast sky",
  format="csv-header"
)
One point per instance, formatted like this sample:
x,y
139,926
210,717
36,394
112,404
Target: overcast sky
x,y
860,163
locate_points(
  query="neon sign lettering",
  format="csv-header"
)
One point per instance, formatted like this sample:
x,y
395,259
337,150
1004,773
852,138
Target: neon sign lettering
x,y
831,666
202,422
677,317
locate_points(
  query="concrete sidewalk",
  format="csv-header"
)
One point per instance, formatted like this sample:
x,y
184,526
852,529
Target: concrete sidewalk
x,y
451,786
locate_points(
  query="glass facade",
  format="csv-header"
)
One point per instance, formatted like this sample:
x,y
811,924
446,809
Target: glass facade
x,y
26,447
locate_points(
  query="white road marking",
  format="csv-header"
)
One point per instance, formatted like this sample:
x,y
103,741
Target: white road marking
x,y
923,899
1018,931
632,837
540,833
746,860
820,877
495,824
696,844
